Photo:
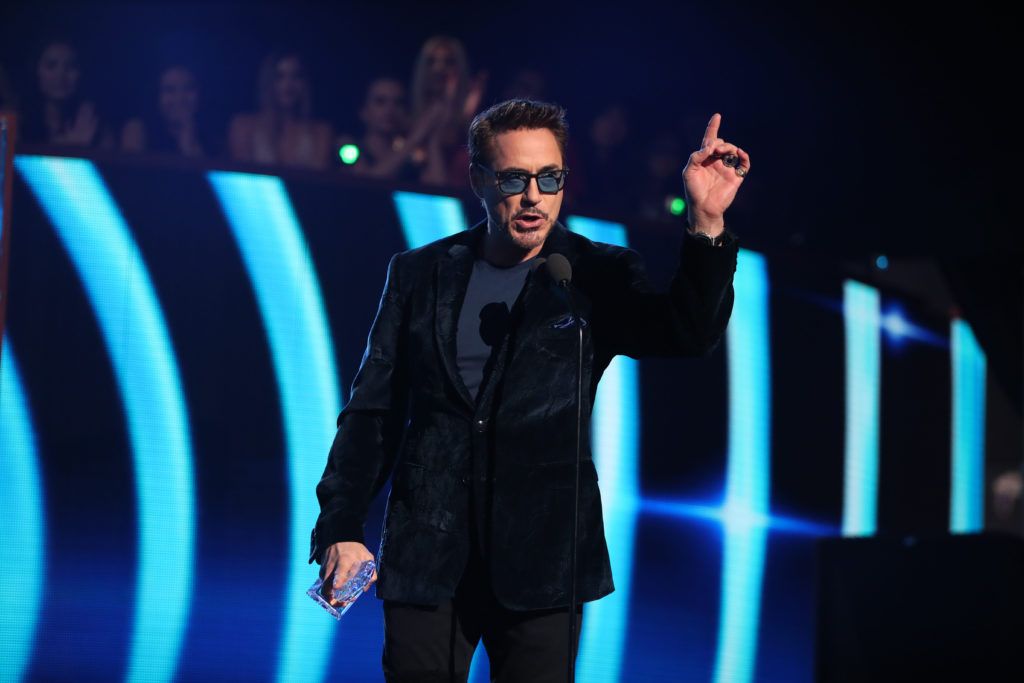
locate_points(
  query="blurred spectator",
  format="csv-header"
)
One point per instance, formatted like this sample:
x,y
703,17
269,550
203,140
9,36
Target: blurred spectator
x,y
1007,492
172,127
662,182
283,130
445,99
528,84
386,150
610,164
55,111
8,100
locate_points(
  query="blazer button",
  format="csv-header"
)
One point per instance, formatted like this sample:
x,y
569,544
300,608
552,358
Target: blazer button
x,y
481,425
466,479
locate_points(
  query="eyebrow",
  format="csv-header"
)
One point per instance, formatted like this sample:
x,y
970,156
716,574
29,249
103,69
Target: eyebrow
x,y
515,169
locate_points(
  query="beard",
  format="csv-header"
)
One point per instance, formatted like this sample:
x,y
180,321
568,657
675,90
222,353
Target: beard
x,y
526,239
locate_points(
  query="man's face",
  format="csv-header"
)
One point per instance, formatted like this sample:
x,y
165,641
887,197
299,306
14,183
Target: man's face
x,y
179,95
384,111
523,220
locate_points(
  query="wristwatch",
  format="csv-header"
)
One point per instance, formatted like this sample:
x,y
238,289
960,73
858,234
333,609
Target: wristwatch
x,y
721,240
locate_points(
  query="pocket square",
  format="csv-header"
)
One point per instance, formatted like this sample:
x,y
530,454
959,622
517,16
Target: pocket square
x,y
566,322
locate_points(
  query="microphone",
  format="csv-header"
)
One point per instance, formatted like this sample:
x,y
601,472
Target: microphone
x,y
560,270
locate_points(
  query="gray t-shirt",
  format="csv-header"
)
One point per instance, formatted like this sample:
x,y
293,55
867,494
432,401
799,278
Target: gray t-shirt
x,y
483,320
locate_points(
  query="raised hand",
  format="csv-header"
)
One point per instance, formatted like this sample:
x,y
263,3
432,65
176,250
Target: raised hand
x,y
83,129
474,95
709,184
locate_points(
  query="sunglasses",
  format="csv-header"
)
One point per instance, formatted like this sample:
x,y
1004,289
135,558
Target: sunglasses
x,y
515,182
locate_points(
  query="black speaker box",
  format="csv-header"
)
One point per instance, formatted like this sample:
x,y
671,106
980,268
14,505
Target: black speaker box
x,y
938,608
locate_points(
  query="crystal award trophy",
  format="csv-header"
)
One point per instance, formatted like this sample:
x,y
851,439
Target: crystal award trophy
x,y
347,594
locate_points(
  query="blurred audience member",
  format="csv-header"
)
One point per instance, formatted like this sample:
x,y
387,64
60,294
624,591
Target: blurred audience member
x,y
445,99
662,178
1007,493
8,99
172,127
385,149
528,84
283,130
55,111
610,164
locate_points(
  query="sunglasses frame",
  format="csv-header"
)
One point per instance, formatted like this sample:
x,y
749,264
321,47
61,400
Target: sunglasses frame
x,y
502,176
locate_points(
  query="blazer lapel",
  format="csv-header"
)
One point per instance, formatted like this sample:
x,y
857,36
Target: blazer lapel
x,y
451,278
536,301
452,275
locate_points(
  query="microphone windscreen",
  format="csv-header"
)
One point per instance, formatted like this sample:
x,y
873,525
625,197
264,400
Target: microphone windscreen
x,y
559,268
537,263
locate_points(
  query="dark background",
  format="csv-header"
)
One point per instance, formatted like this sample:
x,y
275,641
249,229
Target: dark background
x,y
871,128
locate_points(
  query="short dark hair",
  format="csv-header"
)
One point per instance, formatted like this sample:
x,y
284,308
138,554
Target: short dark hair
x,y
515,114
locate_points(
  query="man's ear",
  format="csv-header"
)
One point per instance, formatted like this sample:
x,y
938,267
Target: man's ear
x,y
476,181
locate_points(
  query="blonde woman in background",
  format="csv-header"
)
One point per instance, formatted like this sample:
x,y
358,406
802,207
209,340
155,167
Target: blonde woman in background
x,y
283,131
444,100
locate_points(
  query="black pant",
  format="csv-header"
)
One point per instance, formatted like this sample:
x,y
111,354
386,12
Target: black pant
x,y
435,644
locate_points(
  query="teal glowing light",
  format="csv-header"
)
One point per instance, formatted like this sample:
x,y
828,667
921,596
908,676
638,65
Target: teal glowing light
x,y
615,439
22,525
95,235
966,508
349,154
863,320
277,259
881,262
746,504
428,217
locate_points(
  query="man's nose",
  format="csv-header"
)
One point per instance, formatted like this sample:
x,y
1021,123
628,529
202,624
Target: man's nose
x,y
531,195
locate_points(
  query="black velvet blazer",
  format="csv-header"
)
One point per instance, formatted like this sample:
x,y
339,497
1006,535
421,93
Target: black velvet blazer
x,y
513,448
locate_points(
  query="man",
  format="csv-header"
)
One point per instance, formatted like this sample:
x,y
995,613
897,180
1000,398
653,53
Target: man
x,y
478,344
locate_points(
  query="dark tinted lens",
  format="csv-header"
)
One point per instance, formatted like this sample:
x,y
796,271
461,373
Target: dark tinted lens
x,y
549,182
512,184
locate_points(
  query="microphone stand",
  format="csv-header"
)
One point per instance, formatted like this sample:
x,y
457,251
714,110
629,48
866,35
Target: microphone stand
x,y
571,673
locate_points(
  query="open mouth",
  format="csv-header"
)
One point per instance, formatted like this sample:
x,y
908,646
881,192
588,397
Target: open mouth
x,y
529,222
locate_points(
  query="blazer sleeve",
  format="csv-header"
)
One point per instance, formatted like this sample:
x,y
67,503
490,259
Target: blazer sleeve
x,y
633,318
369,428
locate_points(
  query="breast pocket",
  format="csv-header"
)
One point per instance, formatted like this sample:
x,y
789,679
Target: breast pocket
x,y
557,336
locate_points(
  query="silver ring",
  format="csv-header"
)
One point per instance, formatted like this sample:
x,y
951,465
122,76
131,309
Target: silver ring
x,y
740,171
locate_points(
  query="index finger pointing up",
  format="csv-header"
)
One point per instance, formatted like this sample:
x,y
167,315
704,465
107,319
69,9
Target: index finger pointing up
x,y
712,130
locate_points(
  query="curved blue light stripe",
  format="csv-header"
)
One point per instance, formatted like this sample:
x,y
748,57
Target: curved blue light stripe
x,y
22,526
615,440
118,285
862,318
748,472
428,217
687,509
277,259
966,508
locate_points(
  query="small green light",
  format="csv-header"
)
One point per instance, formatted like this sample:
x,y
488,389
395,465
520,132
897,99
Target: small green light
x,y
676,206
349,153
